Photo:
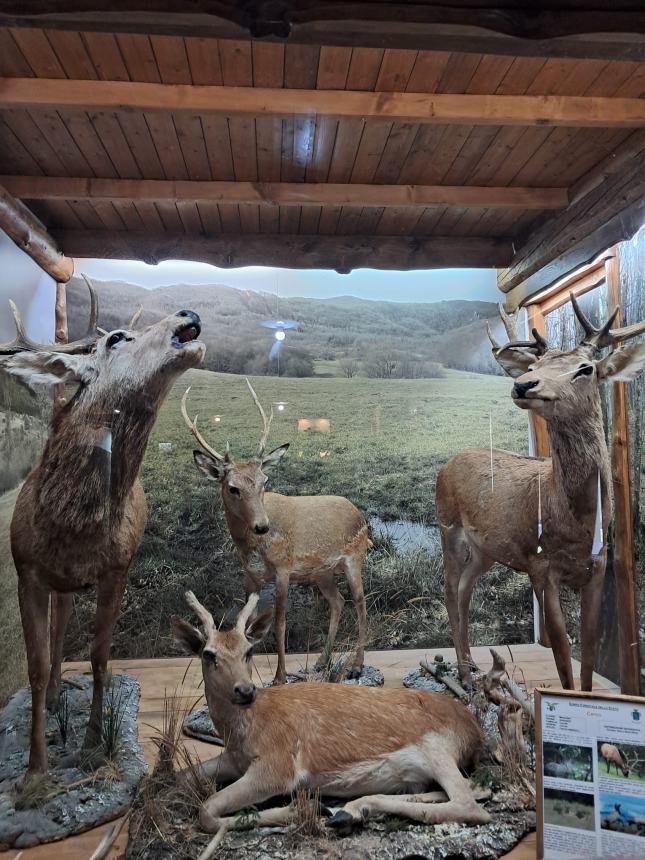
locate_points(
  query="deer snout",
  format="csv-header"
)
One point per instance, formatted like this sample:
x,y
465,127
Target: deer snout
x,y
244,693
261,528
520,389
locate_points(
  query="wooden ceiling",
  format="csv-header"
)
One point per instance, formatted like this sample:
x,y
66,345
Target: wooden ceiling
x,y
242,151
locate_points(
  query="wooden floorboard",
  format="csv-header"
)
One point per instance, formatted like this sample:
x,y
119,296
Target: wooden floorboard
x,y
181,677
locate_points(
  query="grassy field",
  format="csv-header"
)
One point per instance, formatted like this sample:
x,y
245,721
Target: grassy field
x,y
386,441
13,666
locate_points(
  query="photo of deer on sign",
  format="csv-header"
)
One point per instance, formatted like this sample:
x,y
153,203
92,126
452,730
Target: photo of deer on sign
x,y
618,760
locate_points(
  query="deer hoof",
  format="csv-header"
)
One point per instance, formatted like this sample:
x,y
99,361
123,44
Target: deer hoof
x,y
354,672
278,681
342,822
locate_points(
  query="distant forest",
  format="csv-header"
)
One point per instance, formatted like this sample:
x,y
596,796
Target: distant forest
x,y
355,337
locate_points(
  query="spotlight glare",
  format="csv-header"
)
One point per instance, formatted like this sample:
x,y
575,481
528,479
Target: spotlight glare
x,y
280,335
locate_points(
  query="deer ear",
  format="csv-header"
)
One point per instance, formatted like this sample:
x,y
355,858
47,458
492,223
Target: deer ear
x,y
209,466
274,457
259,626
48,368
186,635
514,361
623,365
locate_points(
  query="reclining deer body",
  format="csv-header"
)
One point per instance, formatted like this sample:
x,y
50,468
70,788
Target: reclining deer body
x,y
344,741
81,512
289,538
484,521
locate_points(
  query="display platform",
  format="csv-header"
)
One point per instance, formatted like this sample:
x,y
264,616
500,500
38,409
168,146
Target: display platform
x,y
530,663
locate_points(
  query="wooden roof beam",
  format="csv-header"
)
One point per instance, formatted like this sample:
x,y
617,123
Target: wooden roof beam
x,y
282,193
608,206
442,108
488,26
30,236
341,253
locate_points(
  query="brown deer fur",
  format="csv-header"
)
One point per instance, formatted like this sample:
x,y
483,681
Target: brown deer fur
x,y
483,522
344,741
286,539
80,515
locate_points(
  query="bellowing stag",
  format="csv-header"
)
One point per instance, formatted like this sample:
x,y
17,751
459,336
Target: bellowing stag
x,y
482,523
81,512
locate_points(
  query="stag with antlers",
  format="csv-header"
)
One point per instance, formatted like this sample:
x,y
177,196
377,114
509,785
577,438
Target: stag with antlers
x,y
483,522
81,512
288,538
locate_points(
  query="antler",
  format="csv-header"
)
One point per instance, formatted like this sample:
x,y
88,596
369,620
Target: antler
x,y
23,342
135,317
246,612
605,335
192,426
537,345
201,612
265,421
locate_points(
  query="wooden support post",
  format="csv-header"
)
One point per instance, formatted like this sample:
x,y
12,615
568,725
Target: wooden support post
x,y
540,434
628,652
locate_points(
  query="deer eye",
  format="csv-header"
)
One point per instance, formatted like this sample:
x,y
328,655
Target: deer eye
x,y
210,657
585,370
248,655
234,491
115,338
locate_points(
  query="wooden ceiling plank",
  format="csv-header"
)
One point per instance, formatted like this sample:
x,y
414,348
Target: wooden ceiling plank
x,y
458,73
420,157
172,61
218,147
324,143
270,218
429,66
54,130
613,77
128,213
348,137
12,61
164,136
62,214
398,221
465,109
584,152
395,71
89,143
243,148
72,54
301,66
303,145
289,219
191,140
268,64
104,51
395,151
87,214
15,155
149,215
364,68
204,61
546,156
230,218
209,214
527,144
309,218
237,63
108,215
189,216
333,67
471,153
249,218
268,135
39,53
170,217
139,58
501,146
471,217
349,220
342,253
444,155
634,86
370,150
108,127
518,78
328,221
489,74
35,142
449,220
139,140
370,216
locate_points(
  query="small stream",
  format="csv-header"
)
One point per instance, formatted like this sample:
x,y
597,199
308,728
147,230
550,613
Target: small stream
x,y
406,535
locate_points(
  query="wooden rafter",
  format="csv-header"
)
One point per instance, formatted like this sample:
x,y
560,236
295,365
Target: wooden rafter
x,y
30,236
282,193
341,253
573,111
511,28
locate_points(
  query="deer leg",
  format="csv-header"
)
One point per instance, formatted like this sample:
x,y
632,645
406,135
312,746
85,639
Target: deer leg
x,y
281,593
221,769
355,581
329,590
61,609
451,574
110,592
471,572
249,790
589,610
558,634
34,605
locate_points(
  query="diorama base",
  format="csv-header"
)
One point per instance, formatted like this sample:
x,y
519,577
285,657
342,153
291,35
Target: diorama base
x,y
199,725
68,800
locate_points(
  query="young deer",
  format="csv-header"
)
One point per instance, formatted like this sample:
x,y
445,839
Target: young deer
x,y
343,741
482,523
288,538
81,512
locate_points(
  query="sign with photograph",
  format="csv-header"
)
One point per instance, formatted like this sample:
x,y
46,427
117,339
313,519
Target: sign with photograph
x,y
590,774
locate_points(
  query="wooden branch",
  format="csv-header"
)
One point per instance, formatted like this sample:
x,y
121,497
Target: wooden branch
x,y
342,253
441,108
30,236
514,29
283,193
611,210
628,639
445,679
509,684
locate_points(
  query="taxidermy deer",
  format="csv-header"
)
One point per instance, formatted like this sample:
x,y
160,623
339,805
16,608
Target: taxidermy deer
x,y
483,522
288,538
344,741
81,512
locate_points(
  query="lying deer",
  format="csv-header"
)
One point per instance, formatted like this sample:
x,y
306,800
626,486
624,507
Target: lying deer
x,y
343,741
612,755
288,538
482,523
81,512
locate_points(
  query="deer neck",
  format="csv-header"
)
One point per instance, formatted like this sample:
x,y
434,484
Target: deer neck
x,y
231,721
91,460
578,455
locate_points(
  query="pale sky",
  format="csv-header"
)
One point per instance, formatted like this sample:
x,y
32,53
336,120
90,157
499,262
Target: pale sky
x,y
419,286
